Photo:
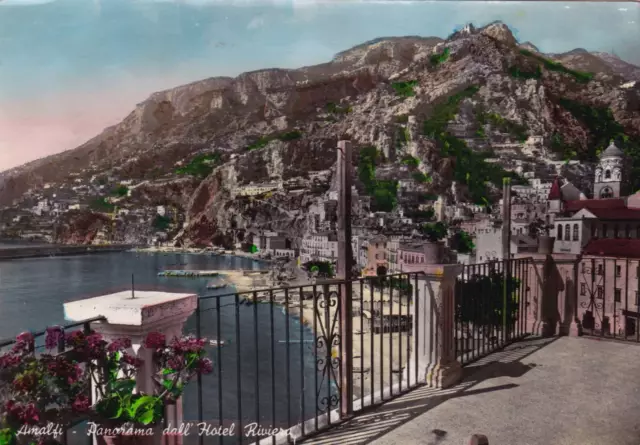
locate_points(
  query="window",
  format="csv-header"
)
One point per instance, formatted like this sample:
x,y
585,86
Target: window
x,y
600,292
583,268
576,232
607,174
583,289
616,231
605,229
600,269
637,300
617,295
618,271
567,232
559,232
627,231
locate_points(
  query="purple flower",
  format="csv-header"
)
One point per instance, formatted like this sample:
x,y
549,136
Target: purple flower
x,y
131,360
119,344
9,360
81,404
205,366
75,338
64,370
24,342
53,337
31,415
155,340
26,381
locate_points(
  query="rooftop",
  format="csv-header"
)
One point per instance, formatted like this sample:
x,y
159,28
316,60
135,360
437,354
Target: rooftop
x,y
612,151
608,247
594,204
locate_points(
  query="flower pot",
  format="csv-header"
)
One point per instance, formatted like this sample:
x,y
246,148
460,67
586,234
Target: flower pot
x,y
545,244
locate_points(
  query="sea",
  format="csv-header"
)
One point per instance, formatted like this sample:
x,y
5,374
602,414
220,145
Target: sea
x,y
273,376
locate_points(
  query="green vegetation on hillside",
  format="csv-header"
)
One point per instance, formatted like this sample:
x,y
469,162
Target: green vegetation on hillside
x,y
462,242
603,129
438,58
405,89
200,166
410,161
579,76
161,222
384,193
471,168
120,190
101,205
264,140
338,109
519,73
503,125
434,231
421,177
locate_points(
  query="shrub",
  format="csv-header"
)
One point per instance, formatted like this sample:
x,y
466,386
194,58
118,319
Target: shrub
x,y
437,59
405,89
579,76
435,231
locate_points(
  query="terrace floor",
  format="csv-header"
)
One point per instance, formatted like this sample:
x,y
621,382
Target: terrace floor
x,y
562,391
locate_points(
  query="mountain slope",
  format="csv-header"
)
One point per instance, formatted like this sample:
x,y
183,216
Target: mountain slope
x,y
461,108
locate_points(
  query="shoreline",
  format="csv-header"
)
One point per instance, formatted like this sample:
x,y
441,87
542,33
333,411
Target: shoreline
x,y
56,250
200,251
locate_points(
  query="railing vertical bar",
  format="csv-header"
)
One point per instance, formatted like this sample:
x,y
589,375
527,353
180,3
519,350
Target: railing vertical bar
x,y
328,329
257,356
302,365
604,296
361,344
288,359
476,318
401,326
487,319
219,350
371,342
456,322
316,336
391,330
521,292
637,302
626,296
410,331
416,306
615,286
238,369
466,327
199,376
382,329
273,366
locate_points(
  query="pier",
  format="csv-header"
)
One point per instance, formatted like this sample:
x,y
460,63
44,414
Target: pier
x,y
210,273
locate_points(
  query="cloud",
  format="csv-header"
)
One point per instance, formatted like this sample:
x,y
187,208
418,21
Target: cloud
x,y
256,22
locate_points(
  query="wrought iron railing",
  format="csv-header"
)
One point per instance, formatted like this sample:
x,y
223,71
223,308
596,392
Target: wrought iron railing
x,y
491,306
38,346
607,295
281,359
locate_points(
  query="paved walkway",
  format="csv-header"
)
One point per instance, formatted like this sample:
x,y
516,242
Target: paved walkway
x,y
565,391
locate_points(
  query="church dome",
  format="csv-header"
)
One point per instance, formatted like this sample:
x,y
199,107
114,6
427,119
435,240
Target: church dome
x,y
612,151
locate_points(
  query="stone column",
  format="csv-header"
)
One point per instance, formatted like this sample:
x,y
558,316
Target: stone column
x,y
134,316
433,328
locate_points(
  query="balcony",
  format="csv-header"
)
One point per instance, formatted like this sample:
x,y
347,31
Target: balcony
x,y
428,357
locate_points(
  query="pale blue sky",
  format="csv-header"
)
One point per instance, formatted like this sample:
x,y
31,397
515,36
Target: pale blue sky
x,y
58,59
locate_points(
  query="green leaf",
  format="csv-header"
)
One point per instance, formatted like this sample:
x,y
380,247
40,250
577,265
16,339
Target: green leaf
x,y
7,436
122,386
147,409
167,371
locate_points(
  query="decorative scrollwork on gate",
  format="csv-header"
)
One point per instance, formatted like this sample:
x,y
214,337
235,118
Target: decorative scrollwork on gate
x,y
327,347
592,295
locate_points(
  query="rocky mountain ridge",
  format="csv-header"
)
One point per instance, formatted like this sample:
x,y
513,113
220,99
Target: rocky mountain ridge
x,y
461,108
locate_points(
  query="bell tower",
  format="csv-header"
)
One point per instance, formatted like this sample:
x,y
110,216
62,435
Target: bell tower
x,y
610,179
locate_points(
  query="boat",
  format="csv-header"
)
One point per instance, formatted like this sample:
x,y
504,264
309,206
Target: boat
x,y
216,342
216,286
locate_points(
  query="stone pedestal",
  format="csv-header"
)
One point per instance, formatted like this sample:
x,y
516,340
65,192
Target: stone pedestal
x,y
134,318
433,326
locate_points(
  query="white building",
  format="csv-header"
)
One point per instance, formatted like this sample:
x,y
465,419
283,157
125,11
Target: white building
x,y
319,247
258,189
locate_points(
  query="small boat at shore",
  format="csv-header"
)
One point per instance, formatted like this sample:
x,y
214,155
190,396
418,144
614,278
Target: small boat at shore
x,y
216,286
216,342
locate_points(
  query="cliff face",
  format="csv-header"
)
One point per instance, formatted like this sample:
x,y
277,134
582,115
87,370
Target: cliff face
x,y
284,124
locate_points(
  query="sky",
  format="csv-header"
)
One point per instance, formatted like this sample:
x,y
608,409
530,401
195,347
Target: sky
x,y
70,68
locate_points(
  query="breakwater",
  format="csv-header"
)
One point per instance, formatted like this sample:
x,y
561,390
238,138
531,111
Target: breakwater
x,y
17,252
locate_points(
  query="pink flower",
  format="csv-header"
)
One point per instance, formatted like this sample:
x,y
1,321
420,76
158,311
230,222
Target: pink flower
x,y
53,337
205,366
81,404
64,370
9,360
75,338
119,345
26,382
24,342
155,340
131,360
31,415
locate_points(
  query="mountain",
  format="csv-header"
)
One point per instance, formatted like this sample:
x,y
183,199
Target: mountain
x,y
440,112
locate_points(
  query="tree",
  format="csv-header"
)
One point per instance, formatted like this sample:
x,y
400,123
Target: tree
x,y
539,228
434,232
461,242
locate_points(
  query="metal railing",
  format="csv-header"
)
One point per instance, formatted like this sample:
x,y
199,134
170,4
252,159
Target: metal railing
x,y
39,346
608,304
491,302
280,358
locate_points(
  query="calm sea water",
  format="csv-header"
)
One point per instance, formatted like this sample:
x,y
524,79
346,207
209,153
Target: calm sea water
x,y
32,293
